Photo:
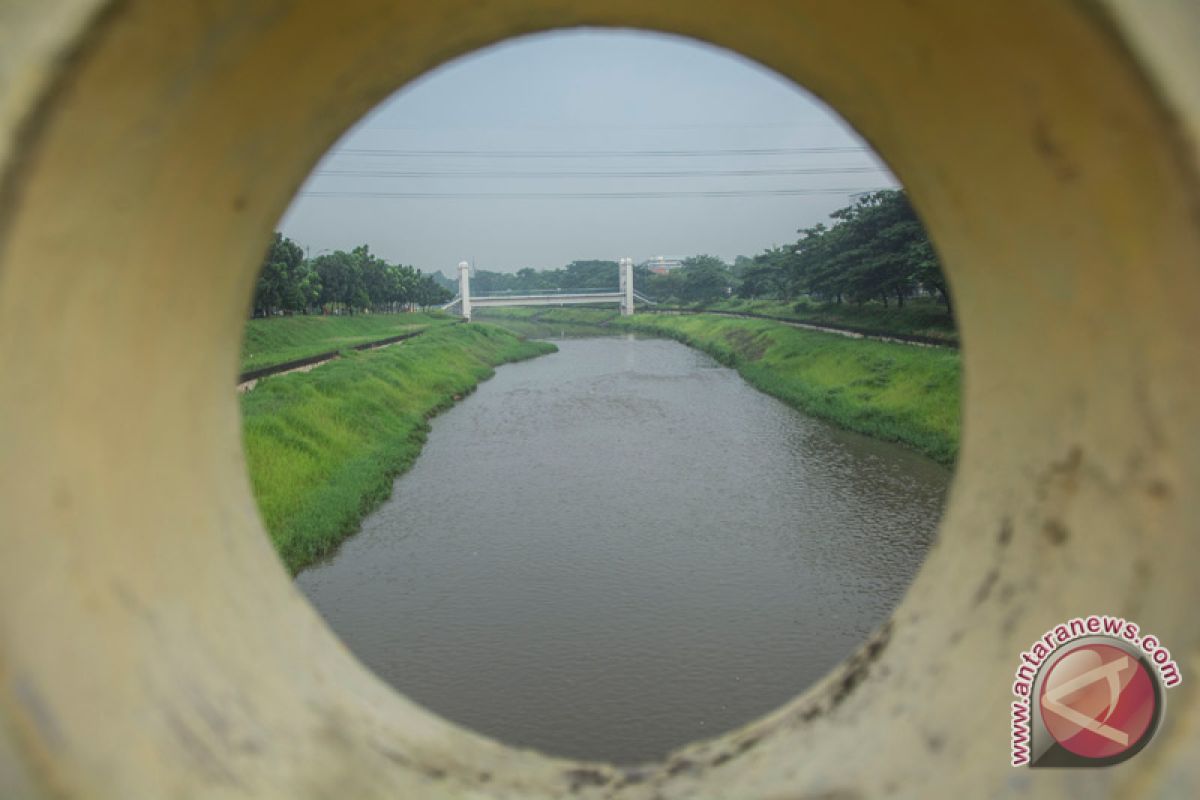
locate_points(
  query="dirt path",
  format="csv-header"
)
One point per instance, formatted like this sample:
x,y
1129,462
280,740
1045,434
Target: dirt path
x,y
312,363
246,386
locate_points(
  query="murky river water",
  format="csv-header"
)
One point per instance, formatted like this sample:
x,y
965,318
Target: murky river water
x,y
622,547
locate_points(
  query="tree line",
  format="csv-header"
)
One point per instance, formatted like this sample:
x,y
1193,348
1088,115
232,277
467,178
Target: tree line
x,y
875,249
339,282
593,274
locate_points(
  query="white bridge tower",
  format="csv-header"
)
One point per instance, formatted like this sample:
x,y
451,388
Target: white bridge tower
x,y
464,288
623,297
626,286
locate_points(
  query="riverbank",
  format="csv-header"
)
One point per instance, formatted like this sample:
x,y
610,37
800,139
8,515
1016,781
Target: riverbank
x,y
323,447
890,391
893,392
278,340
922,318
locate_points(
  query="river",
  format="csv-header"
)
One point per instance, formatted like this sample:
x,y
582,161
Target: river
x,y
613,550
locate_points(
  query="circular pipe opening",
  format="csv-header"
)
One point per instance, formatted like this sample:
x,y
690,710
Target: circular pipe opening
x,y
1050,171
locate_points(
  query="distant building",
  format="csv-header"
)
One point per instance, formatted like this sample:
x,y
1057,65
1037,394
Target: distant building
x,y
661,265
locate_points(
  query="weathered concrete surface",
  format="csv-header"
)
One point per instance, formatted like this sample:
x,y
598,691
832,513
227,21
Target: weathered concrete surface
x,y
152,646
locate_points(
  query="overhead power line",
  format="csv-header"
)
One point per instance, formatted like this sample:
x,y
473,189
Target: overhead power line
x,y
586,195
694,173
750,151
591,126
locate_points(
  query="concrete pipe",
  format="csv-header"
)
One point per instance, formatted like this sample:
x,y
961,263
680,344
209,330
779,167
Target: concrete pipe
x,y
151,645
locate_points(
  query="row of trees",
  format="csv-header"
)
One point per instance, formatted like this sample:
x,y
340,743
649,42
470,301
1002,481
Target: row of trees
x,y
701,279
876,249
340,282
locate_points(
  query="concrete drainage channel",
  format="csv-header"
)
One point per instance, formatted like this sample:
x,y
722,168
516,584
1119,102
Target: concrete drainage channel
x,y
151,645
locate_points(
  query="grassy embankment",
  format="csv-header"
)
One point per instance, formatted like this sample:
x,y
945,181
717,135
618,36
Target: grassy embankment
x,y
890,391
277,340
918,317
323,447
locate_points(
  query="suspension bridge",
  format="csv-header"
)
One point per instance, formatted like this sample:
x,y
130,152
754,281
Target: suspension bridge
x,y
625,296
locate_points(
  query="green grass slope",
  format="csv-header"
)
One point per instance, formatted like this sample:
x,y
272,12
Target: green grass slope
x,y
918,317
890,391
323,447
279,339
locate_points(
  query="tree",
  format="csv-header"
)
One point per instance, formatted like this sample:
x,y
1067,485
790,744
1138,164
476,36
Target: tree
x,y
283,280
876,249
742,265
593,274
428,292
876,234
820,265
770,273
928,270
705,279
343,282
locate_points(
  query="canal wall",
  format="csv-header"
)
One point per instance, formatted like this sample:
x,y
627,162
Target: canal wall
x,y
324,447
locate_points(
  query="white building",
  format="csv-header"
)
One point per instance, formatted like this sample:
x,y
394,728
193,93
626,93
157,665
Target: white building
x,y
661,265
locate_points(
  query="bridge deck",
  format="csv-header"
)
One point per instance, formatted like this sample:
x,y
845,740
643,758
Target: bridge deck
x,y
546,299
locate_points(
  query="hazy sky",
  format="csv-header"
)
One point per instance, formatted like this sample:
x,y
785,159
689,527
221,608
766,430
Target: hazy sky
x,y
569,116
